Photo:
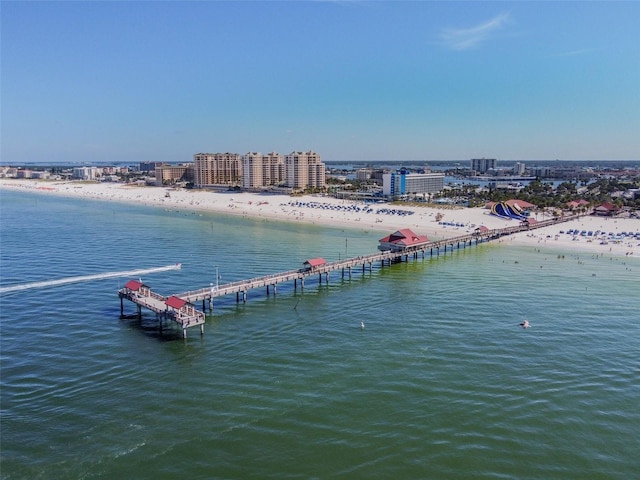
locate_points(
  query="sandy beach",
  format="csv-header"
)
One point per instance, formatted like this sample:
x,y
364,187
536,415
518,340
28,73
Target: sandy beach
x,y
383,217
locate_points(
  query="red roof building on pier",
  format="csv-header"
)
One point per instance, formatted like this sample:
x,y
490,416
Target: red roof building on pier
x,y
175,302
134,286
401,240
314,263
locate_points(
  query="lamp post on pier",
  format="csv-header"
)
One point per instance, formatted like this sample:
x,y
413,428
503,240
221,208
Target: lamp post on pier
x,y
213,291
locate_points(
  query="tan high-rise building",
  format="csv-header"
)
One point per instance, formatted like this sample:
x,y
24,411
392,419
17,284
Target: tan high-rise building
x,y
217,169
305,169
262,170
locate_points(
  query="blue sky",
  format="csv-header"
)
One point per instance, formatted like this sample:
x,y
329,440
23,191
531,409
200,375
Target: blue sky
x,y
351,80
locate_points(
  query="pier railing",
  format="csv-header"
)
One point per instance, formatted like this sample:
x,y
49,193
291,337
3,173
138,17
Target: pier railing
x,y
190,316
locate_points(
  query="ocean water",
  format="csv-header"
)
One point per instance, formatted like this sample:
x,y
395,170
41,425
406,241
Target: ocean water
x,y
441,383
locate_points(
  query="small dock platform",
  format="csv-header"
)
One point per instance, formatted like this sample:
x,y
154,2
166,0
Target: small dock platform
x,y
172,308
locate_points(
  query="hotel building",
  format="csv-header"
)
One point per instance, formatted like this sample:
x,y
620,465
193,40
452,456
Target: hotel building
x,y
403,183
305,169
262,170
217,169
253,170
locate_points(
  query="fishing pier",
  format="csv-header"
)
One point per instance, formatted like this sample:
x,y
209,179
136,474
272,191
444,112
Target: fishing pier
x,y
181,307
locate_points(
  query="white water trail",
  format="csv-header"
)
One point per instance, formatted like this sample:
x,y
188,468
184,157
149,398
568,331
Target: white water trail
x,y
87,278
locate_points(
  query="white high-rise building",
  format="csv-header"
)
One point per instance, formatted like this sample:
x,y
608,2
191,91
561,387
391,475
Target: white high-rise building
x,y
483,165
519,168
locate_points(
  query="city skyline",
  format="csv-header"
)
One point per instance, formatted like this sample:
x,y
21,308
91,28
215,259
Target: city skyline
x,y
360,81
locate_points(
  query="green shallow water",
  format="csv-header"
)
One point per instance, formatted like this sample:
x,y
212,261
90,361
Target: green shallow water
x,y
441,383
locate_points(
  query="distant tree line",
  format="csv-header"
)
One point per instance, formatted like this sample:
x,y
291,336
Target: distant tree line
x,y
543,194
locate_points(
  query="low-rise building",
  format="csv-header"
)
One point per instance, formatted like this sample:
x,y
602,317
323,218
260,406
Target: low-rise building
x,y
606,209
402,240
170,174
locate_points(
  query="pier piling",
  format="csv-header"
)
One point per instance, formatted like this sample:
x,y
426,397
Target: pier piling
x,y
180,307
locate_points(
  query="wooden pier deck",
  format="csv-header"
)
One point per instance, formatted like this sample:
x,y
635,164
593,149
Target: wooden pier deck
x,y
166,308
181,309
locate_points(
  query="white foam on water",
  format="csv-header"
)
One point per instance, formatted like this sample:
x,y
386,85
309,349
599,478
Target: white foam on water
x,y
87,278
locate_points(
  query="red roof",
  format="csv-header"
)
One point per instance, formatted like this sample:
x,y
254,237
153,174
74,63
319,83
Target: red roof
x,y
175,302
574,203
133,285
404,237
607,206
316,262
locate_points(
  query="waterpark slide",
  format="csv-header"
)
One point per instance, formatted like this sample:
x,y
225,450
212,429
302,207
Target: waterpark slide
x,y
502,209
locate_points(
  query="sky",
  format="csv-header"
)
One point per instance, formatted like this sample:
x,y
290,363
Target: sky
x,y
129,81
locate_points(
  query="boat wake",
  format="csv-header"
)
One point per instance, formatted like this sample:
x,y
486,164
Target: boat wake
x,y
87,278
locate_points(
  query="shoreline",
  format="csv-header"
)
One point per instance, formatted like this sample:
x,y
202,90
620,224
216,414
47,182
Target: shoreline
x,y
383,217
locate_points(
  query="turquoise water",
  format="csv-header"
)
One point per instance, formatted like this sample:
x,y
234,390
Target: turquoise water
x,y
441,383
